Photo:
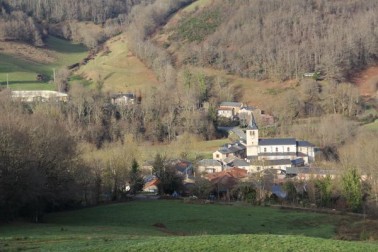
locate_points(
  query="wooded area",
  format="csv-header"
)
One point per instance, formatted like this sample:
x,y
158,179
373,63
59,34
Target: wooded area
x,y
283,39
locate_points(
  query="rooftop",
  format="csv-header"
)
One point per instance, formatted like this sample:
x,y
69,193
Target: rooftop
x,y
277,141
209,162
231,104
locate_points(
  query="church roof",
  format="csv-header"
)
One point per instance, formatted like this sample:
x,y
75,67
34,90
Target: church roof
x,y
277,141
305,144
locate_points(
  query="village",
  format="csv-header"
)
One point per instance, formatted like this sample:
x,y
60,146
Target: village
x,y
274,160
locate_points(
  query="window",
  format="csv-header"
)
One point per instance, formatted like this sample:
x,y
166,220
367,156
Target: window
x,y
288,149
217,156
264,149
276,149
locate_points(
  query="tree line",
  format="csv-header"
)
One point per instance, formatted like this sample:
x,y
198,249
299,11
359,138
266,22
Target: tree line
x,y
31,21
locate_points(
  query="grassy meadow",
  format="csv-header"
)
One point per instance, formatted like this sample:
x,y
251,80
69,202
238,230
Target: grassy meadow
x,y
120,70
22,68
177,226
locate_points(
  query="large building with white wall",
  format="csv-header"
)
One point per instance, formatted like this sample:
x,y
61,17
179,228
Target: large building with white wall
x,y
276,148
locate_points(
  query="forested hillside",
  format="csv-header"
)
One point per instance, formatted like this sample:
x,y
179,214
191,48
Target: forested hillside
x,y
30,21
281,39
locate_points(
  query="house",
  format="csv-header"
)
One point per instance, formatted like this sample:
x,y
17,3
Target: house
x,y
151,186
276,164
123,99
229,109
307,173
39,96
236,149
222,154
209,166
224,181
246,112
240,163
184,168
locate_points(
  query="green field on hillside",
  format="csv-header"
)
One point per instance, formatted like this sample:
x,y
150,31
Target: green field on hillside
x,y
176,226
22,72
118,68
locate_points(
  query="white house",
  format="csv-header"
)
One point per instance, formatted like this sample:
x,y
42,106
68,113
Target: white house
x,y
209,166
39,95
229,109
123,99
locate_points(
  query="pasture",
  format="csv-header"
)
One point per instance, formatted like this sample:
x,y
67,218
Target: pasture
x,y
176,226
22,63
118,68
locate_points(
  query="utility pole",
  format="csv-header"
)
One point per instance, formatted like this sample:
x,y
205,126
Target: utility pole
x,y
54,74
7,81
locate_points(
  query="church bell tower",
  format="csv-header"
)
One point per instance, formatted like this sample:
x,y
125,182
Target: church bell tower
x,y
252,135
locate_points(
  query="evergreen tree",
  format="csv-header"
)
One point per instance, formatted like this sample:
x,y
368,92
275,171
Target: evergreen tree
x,y
136,180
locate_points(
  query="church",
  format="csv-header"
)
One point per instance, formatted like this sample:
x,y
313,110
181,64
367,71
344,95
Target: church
x,y
254,154
276,148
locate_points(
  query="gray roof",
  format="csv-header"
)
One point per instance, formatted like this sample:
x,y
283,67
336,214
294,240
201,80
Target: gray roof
x,y
277,141
228,160
239,163
250,108
305,144
224,150
277,162
307,170
231,104
239,132
209,162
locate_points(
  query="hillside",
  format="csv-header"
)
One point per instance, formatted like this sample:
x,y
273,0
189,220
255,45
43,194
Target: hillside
x,y
120,70
277,39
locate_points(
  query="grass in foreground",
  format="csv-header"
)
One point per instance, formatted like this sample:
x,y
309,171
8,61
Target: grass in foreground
x,y
175,226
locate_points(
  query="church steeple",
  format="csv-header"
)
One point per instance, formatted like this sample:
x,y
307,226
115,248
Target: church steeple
x,y
252,123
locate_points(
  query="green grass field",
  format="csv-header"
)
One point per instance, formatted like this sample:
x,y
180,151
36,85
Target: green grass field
x,y
120,70
176,226
22,72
